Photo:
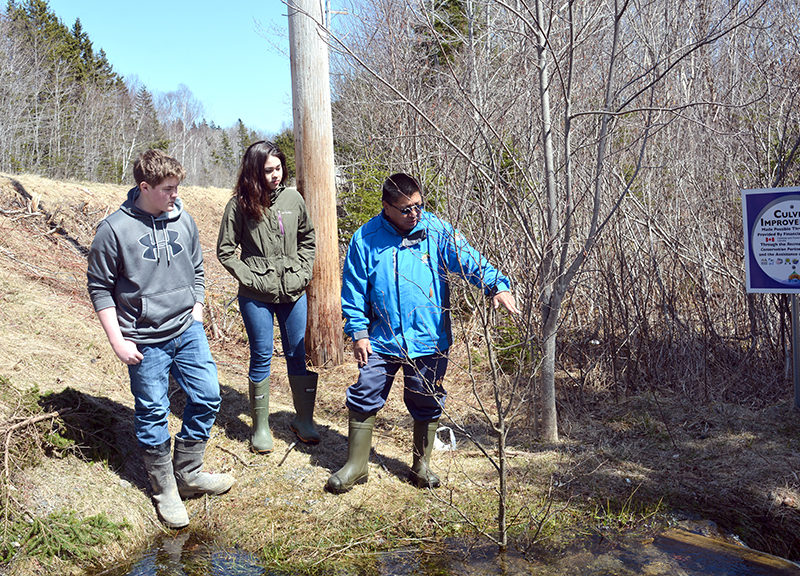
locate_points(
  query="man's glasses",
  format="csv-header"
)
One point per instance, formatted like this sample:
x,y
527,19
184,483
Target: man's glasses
x,y
408,209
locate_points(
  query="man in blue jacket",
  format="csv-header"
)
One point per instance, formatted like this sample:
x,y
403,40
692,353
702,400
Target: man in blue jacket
x,y
396,302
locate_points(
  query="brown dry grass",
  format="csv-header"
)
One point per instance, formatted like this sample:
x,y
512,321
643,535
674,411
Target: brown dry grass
x,y
732,464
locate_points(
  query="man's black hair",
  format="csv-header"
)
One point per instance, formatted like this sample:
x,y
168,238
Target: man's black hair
x,y
399,185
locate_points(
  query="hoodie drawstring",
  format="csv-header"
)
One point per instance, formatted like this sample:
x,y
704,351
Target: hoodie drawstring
x,y
155,241
166,244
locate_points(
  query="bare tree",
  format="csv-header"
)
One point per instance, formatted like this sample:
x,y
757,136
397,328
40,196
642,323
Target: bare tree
x,y
180,111
537,126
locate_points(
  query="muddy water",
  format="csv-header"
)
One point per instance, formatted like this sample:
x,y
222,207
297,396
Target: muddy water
x,y
673,553
185,555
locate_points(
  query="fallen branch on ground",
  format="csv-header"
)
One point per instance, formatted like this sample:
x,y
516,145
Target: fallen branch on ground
x,y
27,422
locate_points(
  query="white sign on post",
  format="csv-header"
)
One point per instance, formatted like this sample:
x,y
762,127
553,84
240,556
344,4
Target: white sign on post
x,y
772,239
772,253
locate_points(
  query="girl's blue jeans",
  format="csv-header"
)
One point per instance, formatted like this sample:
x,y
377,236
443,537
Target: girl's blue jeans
x,y
259,320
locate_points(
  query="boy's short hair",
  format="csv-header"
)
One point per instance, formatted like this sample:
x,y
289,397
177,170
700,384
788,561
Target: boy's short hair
x,y
154,166
398,185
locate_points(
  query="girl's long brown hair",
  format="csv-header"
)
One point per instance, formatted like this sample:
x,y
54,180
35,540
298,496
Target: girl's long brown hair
x,y
251,185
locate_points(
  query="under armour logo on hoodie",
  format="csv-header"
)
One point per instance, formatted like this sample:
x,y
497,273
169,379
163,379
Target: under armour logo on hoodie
x,y
151,253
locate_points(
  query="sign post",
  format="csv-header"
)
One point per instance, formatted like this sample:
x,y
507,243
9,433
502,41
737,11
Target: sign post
x,y
795,352
772,253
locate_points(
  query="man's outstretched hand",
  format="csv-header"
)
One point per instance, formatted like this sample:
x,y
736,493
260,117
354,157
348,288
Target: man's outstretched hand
x,y
506,300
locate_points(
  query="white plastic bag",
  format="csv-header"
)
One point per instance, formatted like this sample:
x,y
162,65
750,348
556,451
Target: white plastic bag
x,y
437,442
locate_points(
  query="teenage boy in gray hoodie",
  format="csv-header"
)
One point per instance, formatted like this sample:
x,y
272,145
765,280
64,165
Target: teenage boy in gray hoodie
x,y
146,282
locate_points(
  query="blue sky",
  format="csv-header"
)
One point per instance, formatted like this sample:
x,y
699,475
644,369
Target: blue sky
x,y
232,55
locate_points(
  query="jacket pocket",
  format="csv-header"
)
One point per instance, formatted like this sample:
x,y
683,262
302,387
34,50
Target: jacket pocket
x,y
159,309
294,280
289,223
265,276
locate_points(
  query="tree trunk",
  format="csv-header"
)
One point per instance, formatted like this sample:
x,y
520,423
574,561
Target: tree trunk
x,y
548,424
502,505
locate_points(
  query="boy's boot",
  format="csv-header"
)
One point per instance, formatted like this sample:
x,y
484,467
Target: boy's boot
x,y
187,463
421,475
359,441
304,394
261,438
158,463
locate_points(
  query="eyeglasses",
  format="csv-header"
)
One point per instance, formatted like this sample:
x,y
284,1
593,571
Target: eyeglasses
x,y
408,209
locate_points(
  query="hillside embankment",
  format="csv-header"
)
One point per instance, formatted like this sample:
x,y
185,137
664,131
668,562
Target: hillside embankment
x,y
632,463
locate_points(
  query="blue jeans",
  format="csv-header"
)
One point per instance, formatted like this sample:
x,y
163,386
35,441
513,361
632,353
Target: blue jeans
x,y
423,392
188,358
259,318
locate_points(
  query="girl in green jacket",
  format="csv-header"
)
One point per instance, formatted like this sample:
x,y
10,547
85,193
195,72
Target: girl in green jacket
x,y
271,226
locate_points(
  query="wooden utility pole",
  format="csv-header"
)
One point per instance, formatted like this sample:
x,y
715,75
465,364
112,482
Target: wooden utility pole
x,y
313,136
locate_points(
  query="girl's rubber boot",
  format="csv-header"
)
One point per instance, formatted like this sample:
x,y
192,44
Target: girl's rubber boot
x,y
304,394
260,437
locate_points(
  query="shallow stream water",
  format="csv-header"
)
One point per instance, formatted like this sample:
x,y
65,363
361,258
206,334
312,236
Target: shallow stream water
x,y
673,553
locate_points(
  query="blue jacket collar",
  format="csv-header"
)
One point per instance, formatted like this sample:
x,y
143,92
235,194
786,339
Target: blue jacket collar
x,y
414,236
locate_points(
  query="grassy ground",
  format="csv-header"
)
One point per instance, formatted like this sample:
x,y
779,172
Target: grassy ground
x,y
74,495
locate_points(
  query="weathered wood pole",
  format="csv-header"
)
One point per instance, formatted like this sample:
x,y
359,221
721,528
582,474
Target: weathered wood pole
x,y
313,134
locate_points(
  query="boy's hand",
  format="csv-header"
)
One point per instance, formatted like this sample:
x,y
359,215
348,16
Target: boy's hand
x,y
124,349
197,312
127,352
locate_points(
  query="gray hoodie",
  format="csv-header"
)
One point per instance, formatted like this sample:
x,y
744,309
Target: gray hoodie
x,y
150,268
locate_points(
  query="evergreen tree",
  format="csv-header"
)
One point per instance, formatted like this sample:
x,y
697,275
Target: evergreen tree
x,y
244,137
224,156
450,27
146,122
285,141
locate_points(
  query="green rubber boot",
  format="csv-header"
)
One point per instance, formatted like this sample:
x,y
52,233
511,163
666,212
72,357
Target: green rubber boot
x,y
304,394
158,463
421,475
187,462
359,441
261,437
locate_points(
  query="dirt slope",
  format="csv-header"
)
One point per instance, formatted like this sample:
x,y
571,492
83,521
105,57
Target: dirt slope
x,y
735,465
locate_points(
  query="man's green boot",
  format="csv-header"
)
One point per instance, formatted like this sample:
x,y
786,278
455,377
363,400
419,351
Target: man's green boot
x,y
359,441
304,394
421,475
261,437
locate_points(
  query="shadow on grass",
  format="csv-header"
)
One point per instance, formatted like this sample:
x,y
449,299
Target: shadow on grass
x,y
330,453
100,430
